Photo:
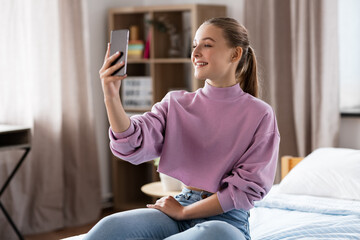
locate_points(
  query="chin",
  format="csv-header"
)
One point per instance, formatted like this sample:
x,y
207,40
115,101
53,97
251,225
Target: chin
x,y
199,76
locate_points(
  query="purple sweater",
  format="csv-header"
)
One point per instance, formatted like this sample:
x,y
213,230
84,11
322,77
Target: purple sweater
x,y
217,139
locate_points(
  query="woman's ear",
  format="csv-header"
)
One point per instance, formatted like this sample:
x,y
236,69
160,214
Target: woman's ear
x,y
236,56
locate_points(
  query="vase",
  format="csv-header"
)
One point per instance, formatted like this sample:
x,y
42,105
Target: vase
x,y
170,183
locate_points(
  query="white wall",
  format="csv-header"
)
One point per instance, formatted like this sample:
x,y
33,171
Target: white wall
x,y
350,132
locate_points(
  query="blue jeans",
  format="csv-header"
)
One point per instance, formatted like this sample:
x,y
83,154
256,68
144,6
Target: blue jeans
x,y
155,225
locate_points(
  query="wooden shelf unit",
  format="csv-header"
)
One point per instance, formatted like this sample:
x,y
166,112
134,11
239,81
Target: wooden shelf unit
x,y
165,71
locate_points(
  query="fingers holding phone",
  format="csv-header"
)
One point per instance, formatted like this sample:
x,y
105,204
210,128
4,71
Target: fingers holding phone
x,y
111,83
119,44
115,63
116,54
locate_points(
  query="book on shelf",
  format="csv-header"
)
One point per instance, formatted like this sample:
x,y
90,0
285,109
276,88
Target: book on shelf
x,y
147,46
136,45
136,93
135,49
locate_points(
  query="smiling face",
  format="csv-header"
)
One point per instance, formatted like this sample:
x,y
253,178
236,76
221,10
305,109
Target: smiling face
x,y
212,58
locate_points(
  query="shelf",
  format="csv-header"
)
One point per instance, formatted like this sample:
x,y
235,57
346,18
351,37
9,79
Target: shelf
x,y
171,60
350,112
14,137
166,72
167,8
138,61
159,60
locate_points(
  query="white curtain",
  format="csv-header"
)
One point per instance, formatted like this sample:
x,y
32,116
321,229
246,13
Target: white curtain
x,y
297,50
44,84
315,73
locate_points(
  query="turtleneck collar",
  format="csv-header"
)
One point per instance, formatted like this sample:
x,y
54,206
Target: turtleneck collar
x,y
226,93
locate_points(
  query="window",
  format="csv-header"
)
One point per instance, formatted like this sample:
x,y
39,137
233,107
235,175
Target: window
x,y
349,57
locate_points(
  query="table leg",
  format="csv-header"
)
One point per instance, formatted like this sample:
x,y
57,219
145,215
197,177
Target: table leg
x,y
11,222
14,171
3,189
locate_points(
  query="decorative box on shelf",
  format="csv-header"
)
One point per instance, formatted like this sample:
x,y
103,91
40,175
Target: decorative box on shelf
x,y
136,93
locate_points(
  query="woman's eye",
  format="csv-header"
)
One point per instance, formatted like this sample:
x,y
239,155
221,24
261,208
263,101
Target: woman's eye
x,y
205,45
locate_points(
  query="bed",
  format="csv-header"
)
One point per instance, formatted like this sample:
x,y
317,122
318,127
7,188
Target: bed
x,y
318,198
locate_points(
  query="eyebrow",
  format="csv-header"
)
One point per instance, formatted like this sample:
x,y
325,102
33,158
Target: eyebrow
x,y
206,38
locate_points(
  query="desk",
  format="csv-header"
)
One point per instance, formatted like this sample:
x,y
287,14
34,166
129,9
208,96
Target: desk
x,y
155,189
14,137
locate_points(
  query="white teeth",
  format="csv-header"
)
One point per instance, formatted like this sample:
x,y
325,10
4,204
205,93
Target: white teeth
x,y
201,64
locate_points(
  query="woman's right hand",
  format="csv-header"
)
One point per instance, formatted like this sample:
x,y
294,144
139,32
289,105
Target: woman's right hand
x,y
111,84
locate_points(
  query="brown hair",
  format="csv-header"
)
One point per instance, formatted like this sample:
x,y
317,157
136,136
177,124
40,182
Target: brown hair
x,y
237,36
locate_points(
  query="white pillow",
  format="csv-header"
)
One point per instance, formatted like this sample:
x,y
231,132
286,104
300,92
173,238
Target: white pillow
x,y
326,172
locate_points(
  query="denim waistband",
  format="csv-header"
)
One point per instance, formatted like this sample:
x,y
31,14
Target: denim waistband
x,y
235,217
188,193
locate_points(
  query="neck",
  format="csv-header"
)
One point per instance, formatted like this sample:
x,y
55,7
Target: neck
x,y
222,93
221,84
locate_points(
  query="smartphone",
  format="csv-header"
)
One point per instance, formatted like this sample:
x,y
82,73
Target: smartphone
x,y
119,41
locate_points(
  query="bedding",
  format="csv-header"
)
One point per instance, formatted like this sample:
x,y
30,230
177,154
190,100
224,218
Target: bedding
x,y
286,216
318,199
326,172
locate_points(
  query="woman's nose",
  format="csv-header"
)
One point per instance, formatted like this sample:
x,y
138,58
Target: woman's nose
x,y
196,52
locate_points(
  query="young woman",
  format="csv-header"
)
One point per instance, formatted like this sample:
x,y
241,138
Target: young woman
x,y
221,141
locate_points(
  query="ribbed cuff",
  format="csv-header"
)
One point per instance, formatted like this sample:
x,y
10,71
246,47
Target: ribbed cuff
x,y
225,200
128,132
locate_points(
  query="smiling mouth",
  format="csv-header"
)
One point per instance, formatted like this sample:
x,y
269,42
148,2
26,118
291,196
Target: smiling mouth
x,y
201,64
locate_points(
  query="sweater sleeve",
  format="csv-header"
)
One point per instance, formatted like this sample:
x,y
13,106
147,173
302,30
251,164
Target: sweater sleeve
x,y
143,140
252,176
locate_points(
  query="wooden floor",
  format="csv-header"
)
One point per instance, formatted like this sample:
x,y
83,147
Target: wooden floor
x,y
66,232
59,234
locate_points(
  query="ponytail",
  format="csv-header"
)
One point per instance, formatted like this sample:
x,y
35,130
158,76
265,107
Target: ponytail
x,y
246,73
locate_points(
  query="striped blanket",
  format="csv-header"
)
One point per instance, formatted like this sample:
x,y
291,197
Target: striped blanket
x,y
285,216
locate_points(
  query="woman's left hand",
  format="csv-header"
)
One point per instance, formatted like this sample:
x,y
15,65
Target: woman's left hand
x,y
170,207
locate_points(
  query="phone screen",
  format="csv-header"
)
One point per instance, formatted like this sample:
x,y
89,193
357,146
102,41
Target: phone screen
x,y
119,42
